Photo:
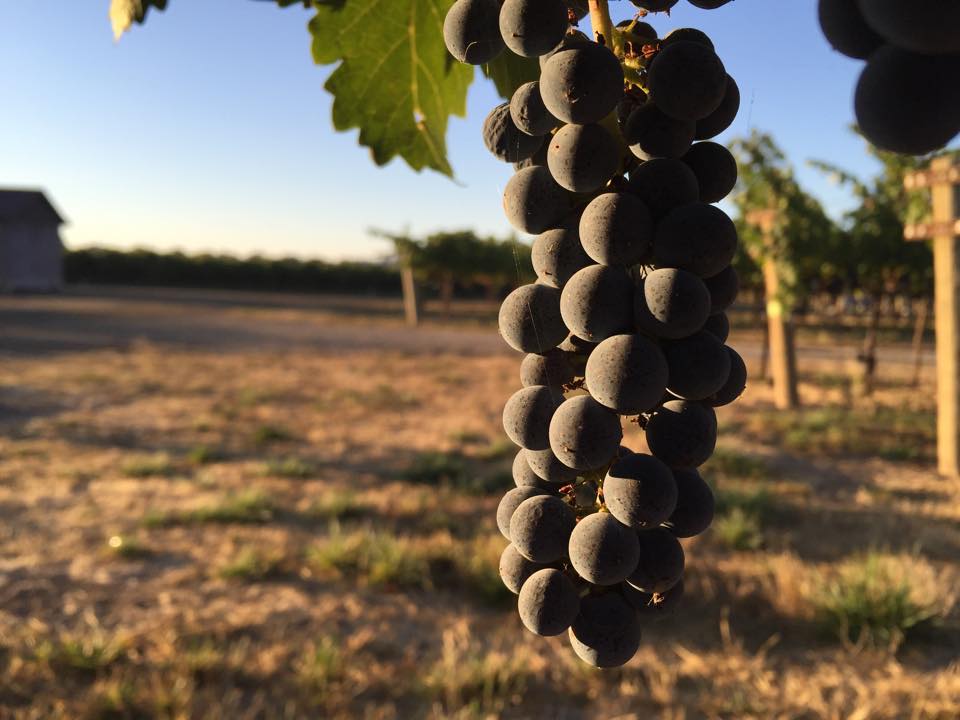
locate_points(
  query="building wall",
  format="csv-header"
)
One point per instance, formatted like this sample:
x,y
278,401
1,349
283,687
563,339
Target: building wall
x,y
31,257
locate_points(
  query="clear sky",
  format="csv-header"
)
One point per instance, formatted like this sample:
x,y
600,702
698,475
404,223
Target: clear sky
x,y
208,128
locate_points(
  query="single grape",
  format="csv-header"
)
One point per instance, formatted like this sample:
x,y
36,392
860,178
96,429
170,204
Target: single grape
x,y
515,569
697,237
909,103
510,502
603,550
540,528
557,253
736,381
552,368
723,288
695,505
616,229
640,491
548,468
929,28
580,8
533,202
843,25
715,168
528,112
526,416
538,158
582,158
582,85
504,139
523,474
671,303
532,27
530,319
723,117
548,602
654,606
573,39
661,561
719,326
699,365
687,35
651,133
708,4
471,31
584,435
597,302
606,632
664,184
627,373
687,80
682,434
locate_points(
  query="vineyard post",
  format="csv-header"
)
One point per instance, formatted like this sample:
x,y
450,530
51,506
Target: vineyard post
x,y
409,287
783,360
943,179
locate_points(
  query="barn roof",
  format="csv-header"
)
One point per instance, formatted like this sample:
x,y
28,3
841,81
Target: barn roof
x,y
21,204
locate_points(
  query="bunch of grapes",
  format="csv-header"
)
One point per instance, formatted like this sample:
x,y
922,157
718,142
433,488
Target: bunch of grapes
x,y
908,96
626,319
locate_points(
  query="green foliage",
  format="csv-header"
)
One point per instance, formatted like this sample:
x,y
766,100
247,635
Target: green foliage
x,y
805,239
869,603
395,81
144,267
874,254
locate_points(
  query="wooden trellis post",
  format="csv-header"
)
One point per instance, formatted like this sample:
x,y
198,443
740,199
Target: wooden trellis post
x,y
411,308
783,357
943,179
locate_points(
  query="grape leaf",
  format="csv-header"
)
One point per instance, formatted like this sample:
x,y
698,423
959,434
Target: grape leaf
x,y
395,80
123,13
509,71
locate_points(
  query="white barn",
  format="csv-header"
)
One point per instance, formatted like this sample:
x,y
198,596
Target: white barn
x,y
31,254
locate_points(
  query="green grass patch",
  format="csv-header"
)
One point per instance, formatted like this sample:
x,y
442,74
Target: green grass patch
x,y
143,466
248,507
251,564
868,603
337,505
85,655
290,467
897,434
374,557
453,470
204,455
268,434
321,666
738,530
732,464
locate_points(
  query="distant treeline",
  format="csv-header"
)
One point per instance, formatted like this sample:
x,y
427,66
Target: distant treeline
x,y
144,267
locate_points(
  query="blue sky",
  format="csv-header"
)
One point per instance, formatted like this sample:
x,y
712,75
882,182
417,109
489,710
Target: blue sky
x,y
208,128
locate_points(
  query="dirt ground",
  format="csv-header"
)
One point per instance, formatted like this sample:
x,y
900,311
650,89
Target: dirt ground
x,y
213,507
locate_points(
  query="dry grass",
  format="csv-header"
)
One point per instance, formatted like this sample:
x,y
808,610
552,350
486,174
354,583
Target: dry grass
x,y
303,534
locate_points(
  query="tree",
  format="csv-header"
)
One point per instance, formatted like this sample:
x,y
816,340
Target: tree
x,y
874,255
793,243
408,114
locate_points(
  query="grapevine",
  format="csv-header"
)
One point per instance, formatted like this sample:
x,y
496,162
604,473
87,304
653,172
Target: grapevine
x,y
626,320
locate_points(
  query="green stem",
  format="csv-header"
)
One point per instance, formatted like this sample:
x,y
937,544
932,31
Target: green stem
x,y
603,26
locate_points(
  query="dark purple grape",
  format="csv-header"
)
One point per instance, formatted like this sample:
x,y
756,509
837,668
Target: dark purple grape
x,y
584,435
616,229
504,139
651,133
530,319
698,365
557,254
552,368
540,528
736,381
719,326
548,468
471,31
523,474
671,303
510,502
723,288
843,25
603,550
597,302
695,505
527,414
640,491
627,373
583,84
533,202
582,158
723,117
682,434
664,184
661,561
697,237
687,80
548,602
528,112
532,27
606,632
515,569
928,28
715,168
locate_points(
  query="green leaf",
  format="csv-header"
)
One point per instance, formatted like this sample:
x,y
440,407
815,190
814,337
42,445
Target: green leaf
x,y
395,81
509,71
123,13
